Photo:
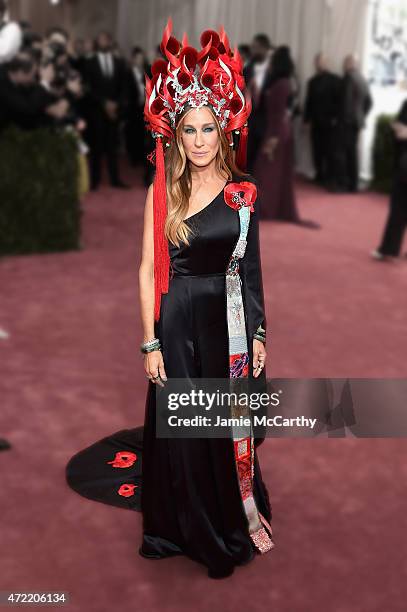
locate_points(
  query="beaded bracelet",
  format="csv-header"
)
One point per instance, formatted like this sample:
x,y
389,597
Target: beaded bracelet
x,y
150,345
261,338
260,334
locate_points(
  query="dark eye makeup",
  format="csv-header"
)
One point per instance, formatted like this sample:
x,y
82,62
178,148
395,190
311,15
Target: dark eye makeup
x,y
206,128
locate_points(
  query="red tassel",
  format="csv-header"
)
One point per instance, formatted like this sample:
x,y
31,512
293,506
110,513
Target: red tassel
x,y
241,153
161,252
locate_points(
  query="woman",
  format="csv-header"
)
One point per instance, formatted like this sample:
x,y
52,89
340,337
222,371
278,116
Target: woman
x,y
201,497
274,167
397,219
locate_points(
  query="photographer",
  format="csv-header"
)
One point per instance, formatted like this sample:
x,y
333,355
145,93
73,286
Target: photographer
x,y
23,102
71,89
51,91
58,82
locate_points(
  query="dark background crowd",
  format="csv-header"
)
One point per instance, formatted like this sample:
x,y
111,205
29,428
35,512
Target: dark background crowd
x,y
88,85
83,85
335,108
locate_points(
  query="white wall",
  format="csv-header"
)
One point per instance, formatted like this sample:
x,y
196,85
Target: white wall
x,y
308,26
79,17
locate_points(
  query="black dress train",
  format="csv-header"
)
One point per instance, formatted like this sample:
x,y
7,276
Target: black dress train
x,y
188,489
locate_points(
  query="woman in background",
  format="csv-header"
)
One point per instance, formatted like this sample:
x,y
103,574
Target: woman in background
x,y
274,167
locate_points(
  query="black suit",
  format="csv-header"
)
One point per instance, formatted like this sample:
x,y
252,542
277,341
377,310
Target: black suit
x,y
135,117
138,140
321,112
356,104
102,132
79,63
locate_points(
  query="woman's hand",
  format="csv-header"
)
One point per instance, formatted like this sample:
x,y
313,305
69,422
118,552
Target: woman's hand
x,y
259,357
154,367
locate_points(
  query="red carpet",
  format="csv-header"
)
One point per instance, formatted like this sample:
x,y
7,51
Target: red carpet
x,y
71,373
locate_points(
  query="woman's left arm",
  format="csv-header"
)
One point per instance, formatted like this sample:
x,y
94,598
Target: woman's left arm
x,y
252,286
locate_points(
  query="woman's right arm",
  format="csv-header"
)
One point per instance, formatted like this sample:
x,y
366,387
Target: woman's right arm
x,y
146,270
153,361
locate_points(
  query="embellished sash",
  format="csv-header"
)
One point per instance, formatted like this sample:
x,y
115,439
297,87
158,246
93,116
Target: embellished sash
x,y
241,196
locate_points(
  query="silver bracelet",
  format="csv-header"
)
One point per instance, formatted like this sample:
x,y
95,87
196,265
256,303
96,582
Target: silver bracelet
x,y
260,334
261,338
150,345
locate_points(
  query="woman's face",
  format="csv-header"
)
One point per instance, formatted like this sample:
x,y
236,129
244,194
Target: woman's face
x,y
199,136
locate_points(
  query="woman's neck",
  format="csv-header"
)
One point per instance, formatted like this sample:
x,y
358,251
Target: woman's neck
x,y
204,174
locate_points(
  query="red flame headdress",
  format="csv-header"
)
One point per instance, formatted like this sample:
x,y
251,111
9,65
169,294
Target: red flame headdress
x,y
190,78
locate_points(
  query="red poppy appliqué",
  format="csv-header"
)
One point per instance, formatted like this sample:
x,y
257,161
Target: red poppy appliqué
x,y
240,194
127,490
123,459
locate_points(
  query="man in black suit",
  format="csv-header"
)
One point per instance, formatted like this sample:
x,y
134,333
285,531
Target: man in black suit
x,y
105,76
135,118
138,141
256,74
321,114
356,104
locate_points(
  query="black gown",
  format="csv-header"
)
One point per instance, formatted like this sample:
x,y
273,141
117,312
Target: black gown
x,y
188,489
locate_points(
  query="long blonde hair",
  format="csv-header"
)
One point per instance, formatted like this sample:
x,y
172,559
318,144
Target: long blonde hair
x,y
179,181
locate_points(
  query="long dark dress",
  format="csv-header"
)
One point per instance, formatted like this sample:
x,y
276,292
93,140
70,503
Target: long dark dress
x,y
276,176
188,488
